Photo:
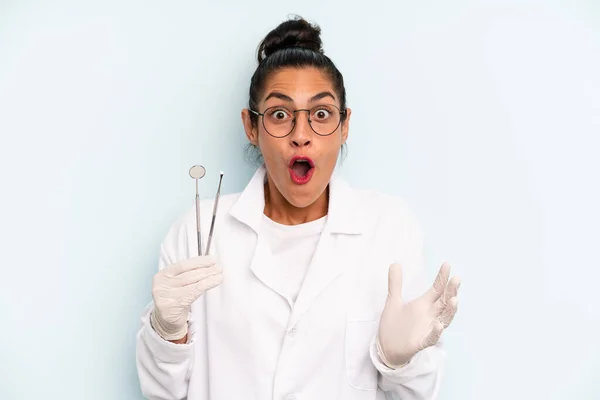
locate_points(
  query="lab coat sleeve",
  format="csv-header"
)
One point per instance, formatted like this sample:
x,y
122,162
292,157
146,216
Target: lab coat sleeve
x,y
419,379
163,367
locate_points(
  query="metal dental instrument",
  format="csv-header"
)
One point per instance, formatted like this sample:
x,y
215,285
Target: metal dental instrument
x,y
197,172
212,224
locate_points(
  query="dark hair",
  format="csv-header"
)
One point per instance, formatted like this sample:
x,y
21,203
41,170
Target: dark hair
x,y
294,43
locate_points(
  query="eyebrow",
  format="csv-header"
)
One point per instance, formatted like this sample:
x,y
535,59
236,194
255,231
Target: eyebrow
x,y
285,97
280,96
321,96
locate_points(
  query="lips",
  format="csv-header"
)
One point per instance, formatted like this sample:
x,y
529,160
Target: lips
x,y
301,169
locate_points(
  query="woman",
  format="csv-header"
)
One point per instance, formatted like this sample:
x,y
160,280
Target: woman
x,y
314,290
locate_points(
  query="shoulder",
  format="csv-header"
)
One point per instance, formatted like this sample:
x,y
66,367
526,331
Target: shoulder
x,y
183,229
396,236
387,209
188,216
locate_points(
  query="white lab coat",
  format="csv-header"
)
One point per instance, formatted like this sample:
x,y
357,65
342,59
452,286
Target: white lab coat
x,y
247,341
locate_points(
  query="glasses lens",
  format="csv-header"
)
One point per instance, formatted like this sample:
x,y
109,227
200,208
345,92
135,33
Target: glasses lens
x,y
278,121
324,120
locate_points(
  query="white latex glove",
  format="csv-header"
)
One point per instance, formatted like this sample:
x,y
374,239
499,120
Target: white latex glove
x,y
407,328
175,288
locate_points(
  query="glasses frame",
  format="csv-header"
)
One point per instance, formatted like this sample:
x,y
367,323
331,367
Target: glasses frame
x,y
262,114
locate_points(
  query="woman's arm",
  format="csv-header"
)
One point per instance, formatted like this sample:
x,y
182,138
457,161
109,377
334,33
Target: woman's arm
x,y
407,351
163,367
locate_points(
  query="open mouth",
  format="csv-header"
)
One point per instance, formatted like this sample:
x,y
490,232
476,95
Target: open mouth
x,y
301,169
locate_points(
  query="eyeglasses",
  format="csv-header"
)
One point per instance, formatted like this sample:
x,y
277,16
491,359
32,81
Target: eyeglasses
x,y
279,122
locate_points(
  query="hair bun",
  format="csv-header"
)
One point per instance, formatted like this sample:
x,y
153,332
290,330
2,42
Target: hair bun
x,y
295,32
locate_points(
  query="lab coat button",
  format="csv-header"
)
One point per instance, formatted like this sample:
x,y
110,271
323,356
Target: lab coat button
x,y
292,333
290,397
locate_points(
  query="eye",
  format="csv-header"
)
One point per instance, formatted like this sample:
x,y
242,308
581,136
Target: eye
x,y
278,114
322,113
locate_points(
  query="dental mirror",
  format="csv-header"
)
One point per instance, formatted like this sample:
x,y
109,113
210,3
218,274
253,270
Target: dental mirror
x,y
197,172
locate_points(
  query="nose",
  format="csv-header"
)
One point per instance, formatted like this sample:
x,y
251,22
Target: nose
x,y
302,133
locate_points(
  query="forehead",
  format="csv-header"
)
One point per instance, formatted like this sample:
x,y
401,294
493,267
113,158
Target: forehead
x,y
298,83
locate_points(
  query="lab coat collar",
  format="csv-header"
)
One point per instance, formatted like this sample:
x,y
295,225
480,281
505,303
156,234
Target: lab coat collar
x,y
345,214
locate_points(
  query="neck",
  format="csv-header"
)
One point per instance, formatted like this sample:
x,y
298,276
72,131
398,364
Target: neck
x,y
283,212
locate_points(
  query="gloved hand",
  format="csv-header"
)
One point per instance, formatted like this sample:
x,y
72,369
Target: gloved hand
x,y
175,288
407,328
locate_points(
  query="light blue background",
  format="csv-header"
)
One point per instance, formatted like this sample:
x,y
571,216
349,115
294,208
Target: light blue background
x,y
485,116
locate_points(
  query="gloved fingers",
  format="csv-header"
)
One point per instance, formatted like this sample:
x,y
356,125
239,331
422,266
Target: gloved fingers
x,y
439,306
189,264
434,335
439,285
452,288
395,281
195,275
190,293
451,291
449,312
208,283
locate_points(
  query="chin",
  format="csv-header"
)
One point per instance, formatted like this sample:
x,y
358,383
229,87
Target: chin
x,y
301,200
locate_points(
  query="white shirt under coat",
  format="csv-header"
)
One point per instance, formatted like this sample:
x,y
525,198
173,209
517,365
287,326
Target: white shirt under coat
x,y
251,338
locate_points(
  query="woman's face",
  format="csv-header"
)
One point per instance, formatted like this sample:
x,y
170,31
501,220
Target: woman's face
x,y
300,164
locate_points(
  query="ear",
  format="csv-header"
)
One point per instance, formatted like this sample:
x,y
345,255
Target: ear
x,y
251,131
346,125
